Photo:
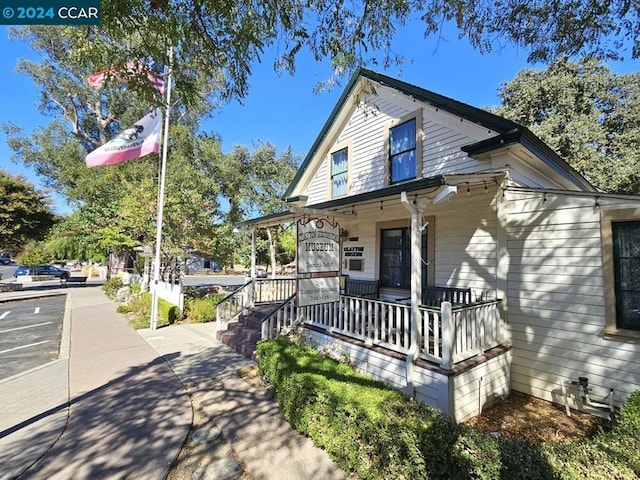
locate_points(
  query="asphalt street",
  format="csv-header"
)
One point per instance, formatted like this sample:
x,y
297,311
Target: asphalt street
x,y
30,332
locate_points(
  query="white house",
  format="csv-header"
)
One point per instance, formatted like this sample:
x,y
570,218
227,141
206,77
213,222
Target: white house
x,y
438,200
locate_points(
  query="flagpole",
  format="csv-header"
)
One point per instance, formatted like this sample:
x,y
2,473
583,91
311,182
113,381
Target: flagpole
x,y
163,171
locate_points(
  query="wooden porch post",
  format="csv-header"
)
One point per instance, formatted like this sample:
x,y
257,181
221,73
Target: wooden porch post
x,y
416,285
250,291
448,335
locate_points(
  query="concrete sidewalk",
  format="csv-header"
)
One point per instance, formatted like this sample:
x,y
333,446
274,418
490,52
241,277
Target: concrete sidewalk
x,y
120,404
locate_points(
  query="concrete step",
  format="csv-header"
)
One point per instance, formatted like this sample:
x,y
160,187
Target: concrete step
x,y
244,335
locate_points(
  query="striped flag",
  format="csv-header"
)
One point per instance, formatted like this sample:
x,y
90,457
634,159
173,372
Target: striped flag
x,y
135,142
155,78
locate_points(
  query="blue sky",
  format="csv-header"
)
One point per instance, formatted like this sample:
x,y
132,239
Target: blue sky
x,y
283,109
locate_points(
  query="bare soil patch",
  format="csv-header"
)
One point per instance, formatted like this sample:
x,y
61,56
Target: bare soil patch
x,y
521,417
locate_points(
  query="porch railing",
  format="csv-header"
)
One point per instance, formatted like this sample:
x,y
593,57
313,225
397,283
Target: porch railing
x,y
453,334
270,290
255,291
283,317
448,334
232,305
376,322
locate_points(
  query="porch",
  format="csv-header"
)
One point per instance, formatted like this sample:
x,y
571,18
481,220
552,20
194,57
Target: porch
x,y
456,362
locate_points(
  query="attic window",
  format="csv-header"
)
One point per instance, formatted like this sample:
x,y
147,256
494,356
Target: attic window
x,y
402,151
339,173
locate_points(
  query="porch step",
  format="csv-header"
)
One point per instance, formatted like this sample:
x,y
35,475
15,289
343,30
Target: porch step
x,y
244,335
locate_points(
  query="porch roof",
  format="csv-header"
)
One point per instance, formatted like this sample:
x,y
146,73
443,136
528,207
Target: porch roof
x,y
335,207
330,208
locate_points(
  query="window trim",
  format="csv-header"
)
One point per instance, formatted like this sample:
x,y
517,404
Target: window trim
x,y
417,116
607,218
407,248
431,247
337,148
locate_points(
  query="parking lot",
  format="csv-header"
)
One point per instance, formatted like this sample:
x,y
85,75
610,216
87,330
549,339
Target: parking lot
x,y
30,333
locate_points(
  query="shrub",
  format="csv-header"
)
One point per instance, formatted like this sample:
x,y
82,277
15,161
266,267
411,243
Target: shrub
x,y
140,310
375,432
86,269
112,286
199,310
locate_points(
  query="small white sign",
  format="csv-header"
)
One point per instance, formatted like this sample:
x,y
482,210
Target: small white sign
x,y
318,246
313,291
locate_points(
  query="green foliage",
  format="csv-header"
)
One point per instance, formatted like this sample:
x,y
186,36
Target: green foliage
x,y
25,213
375,432
222,44
112,286
34,254
199,310
587,114
139,309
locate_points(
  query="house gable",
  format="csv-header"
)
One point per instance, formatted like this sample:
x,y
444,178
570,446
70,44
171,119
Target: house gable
x,y
451,138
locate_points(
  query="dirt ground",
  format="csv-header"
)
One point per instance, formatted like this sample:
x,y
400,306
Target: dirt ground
x,y
520,417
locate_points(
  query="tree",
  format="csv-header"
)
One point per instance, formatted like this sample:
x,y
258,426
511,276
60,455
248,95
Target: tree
x,y
222,40
588,115
25,213
34,253
269,177
116,207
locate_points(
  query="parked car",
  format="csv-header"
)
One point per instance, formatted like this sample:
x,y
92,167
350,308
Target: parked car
x,y
260,273
42,270
5,261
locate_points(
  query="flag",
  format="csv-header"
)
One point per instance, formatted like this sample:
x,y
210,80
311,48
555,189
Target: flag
x,y
156,79
97,79
135,142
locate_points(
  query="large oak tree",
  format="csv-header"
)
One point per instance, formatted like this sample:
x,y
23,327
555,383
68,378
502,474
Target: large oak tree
x,y
589,115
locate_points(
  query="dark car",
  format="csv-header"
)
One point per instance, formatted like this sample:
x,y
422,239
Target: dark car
x,y
5,261
42,270
260,273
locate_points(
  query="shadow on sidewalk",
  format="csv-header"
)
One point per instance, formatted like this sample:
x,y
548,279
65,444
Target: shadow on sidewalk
x,y
132,427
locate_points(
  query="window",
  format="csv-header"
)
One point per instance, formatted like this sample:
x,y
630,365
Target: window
x,y
626,257
621,267
402,151
339,173
395,258
356,265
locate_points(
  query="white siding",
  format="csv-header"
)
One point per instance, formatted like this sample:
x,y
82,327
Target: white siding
x,y
481,386
556,304
465,243
443,135
431,387
465,239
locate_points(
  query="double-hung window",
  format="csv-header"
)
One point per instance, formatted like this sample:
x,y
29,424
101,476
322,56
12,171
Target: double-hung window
x,y
339,173
626,256
402,151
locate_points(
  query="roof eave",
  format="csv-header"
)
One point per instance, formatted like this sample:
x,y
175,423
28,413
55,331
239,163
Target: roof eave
x,y
540,149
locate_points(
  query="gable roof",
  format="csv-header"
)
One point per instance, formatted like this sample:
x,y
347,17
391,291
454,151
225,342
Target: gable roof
x,y
506,129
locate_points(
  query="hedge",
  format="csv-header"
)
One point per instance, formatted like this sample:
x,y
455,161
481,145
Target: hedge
x,y
375,432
